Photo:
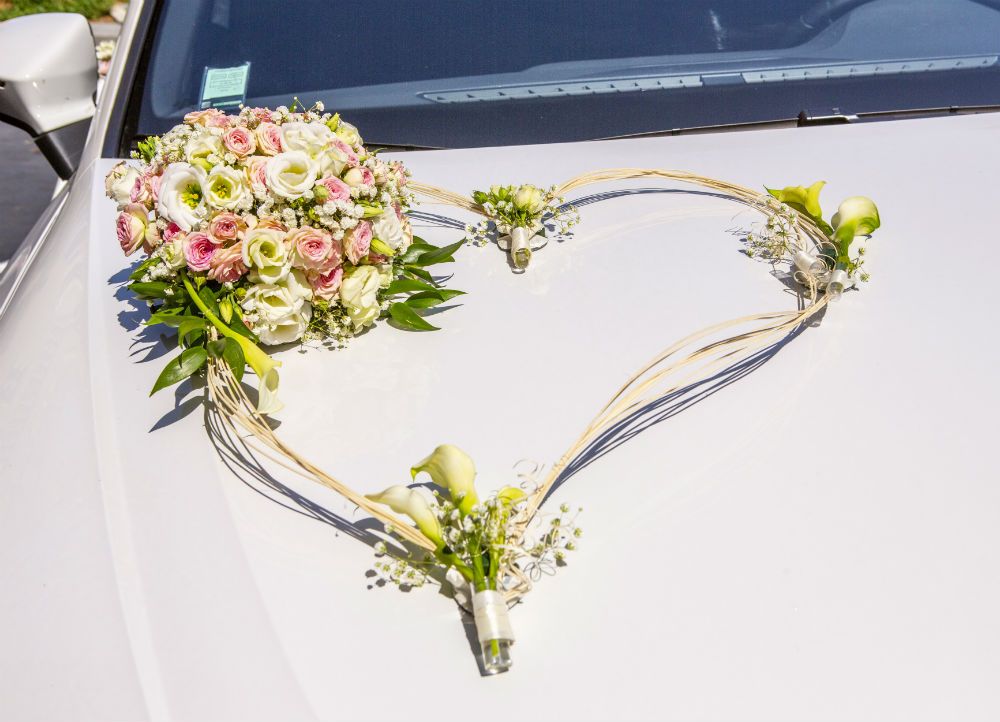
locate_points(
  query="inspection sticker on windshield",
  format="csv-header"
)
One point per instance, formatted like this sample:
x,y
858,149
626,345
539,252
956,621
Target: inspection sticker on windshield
x,y
224,87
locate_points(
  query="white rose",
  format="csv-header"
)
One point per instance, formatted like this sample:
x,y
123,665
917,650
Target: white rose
x,y
172,254
389,229
282,316
529,198
290,174
182,195
264,252
118,183
349,134
359,295
200,146
226,188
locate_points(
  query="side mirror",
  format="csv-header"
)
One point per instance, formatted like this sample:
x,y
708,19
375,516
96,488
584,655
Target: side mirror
x,y
48,77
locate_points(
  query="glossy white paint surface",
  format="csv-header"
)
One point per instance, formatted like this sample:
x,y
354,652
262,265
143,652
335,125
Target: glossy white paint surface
x,y
48,70
818,540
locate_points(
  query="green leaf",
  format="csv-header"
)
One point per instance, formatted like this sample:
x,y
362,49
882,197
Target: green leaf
x,y
440,255
239,327
208,297
180,367
172,319
141,269
189,326
408,318
419,273
427,299
150,289
405,285
417,248
229,351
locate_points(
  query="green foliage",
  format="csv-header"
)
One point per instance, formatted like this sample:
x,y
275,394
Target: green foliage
x,y
91,9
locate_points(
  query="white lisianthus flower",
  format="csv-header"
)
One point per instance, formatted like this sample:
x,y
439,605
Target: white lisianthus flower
x,y
182,195
453,469
202,145
118,183
315,140
290,174
297,284
264,252
359,295
226,188
282,316
389,229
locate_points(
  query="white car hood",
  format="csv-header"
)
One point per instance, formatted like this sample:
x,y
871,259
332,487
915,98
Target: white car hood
x,y
817,539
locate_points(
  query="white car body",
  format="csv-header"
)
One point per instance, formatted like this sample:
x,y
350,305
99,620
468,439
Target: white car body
x,y
779,550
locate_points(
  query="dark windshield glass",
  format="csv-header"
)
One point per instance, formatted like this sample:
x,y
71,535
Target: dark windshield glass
x,y
450,73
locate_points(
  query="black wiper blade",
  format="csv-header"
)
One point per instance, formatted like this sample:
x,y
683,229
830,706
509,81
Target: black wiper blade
x,y
394,147
808,119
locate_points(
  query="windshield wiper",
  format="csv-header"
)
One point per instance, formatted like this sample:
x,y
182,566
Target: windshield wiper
x,y
394,147
807,119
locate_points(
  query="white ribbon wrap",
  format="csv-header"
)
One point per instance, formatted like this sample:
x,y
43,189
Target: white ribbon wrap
x,y
492,619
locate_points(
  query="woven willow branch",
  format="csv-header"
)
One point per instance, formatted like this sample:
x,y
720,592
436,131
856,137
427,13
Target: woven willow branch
x,y
678,367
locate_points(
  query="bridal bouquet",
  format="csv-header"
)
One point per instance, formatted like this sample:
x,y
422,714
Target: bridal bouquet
x,y
269,227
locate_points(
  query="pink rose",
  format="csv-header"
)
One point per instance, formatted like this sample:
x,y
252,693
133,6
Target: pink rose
x,y
261,114
357,241
271,222
337,190
170,232
326,285
239,140
210,118
352,157
400,171
198,251
359,176
152,239
314,250
225,226
256,172
131,227
268,137
226,264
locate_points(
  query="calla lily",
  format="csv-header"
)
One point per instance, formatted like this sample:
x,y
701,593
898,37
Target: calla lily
x,y
857,216
802,199
453,469
510,495
263,365
403,500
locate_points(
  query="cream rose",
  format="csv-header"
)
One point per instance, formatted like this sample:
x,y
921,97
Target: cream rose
x,y
359,294
389,229
226,189
198,148
181,198
118,183
282,315
290,174
316,141
264,252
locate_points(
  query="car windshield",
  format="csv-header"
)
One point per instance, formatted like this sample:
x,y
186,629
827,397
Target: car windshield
x,y
453,73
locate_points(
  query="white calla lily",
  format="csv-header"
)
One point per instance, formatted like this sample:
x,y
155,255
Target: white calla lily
x,y
857,216
452,468
403,500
